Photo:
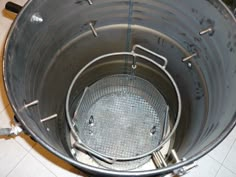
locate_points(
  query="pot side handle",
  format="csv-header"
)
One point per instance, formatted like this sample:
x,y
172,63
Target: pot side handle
x,y
13,7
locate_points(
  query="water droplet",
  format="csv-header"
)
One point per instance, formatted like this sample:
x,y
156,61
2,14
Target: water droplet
x,y
190,65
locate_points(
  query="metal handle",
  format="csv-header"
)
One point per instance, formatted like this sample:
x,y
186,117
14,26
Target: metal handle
x,y
5,131
10,131
152,53
13,7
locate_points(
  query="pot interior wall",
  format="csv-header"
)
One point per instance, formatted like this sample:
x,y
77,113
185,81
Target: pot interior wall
x,y
42,58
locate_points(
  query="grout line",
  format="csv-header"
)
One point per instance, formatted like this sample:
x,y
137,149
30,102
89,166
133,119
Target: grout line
x,y
42,164
40,161
218,170
4,108
214,159
229,169
217,162
26,142
231,147
18,163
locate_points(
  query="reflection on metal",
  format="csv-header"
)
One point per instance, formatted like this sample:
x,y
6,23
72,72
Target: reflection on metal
x,y
33,103
48,118
189,57
73,152
93,29
36,18
90,2
190,65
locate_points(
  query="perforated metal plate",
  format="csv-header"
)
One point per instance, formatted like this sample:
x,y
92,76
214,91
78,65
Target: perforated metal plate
x,y
121,116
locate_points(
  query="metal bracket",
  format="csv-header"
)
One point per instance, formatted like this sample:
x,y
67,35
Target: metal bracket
x,y
183,170
14,131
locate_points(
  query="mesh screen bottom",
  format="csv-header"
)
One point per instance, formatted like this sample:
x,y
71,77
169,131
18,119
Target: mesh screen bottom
x,y
121,116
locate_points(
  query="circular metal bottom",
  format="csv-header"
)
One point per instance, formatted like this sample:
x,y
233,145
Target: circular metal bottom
x,y
121,116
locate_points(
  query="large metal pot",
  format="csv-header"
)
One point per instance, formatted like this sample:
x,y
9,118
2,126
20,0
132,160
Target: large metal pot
x,y
51,41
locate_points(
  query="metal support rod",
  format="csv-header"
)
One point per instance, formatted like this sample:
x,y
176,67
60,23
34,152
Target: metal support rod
x,y
166,123
162,159
48,118
159,159
189,57
175,156
208,30
90,2
134,66
156,160
80,101
31,104
93,29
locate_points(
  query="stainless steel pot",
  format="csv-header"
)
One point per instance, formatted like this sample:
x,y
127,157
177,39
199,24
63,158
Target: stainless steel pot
x,y
51,41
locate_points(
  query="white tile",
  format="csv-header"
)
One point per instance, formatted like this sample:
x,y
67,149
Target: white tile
x,y
6,121
221,151
30,167
11,153
230,161
25,141
55,164
207,167
6,117
224,172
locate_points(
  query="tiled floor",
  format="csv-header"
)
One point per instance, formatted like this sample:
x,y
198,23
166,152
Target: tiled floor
x,y
22,157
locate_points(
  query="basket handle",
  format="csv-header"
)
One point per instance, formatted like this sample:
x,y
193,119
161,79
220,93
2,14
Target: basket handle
x,y
150,52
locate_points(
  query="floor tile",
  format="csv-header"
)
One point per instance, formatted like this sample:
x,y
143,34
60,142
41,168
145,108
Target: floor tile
x,y
224,172
230,161
25,141
221,151
54,164
208,167
30,167
11,153
6,120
